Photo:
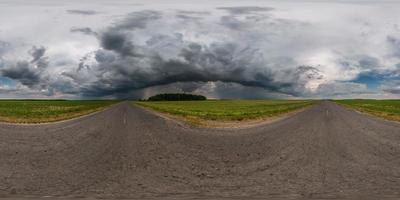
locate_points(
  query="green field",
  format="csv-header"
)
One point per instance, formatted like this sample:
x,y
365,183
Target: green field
x,y
38,111
226,110
388,109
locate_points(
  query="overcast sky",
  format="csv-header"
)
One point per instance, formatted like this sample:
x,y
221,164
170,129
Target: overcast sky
x,y
221,49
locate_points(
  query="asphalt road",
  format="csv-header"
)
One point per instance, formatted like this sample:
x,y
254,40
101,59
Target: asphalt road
x,y
125,151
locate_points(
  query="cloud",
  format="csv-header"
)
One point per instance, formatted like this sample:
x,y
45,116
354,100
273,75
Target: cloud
x,y
137,20
37,53
117,38
191,16
241,10
4,47
186,18
122,65
394,44
369,62
341,89
392,86
213,90
23,72
82,12
118,41
190,12
84,30
28,73
232,51
119,72
232,22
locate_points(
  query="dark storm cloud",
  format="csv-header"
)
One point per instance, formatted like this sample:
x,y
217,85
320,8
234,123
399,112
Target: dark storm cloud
x,y
245,9
219,90
118,38
82,12
122,66
118,41
84,30
22,72
121,73
28,73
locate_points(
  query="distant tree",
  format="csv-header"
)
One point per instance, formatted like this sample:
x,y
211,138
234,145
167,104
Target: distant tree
x,y
176,97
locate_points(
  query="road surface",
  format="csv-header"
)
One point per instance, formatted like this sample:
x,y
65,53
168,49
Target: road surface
x,y
125,151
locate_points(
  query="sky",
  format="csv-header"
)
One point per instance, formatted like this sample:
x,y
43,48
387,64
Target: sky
x,y
106,49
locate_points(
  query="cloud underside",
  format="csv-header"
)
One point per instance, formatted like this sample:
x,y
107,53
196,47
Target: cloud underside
x,y
244,52
82,12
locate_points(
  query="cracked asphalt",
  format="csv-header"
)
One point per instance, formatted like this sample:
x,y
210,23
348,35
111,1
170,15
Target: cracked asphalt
x,y
325,151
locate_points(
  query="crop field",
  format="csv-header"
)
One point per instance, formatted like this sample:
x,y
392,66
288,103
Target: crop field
x,y
388,109
227,110
39,111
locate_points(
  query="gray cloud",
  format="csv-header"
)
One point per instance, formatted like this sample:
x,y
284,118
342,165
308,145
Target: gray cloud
x,y
341,89
28,73
37,53
240,10
118,38
137,20
189,12
232,22
394,44
4,47
118,41
119,72
23,72
191,16
392,86
84,30
213,90
226,52
82,12
122,66
369,62
188,17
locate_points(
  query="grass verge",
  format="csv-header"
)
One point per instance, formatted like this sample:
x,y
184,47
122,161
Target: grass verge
x,y
41,111
196,112
388,109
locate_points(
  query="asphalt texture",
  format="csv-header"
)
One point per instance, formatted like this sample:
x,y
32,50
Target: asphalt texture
x,y
325,151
